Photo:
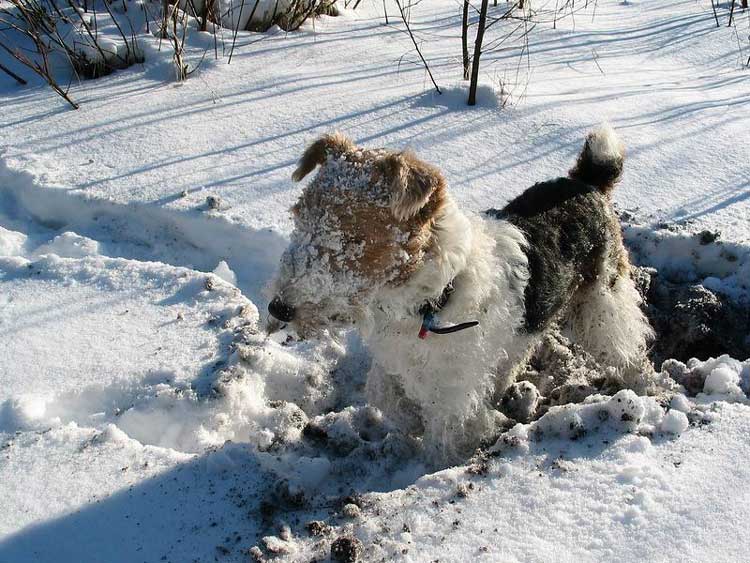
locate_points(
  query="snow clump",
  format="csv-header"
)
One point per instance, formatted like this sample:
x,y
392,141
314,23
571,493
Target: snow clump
x,y
225,272
674,422
11,242
69,245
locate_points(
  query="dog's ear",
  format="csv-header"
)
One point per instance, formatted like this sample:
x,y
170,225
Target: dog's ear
x,y
412,181
334,144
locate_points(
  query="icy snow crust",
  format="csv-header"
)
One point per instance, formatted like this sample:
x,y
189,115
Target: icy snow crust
x,y
144,415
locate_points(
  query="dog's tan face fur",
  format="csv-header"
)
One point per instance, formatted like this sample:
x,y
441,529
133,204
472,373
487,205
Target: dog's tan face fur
x,y
363,223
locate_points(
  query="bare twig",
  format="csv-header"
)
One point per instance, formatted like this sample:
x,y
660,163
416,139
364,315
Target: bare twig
x,y
86,27
465,38
178,43
43,70
596,60
234,40
413,40
237,28
131,54
296,15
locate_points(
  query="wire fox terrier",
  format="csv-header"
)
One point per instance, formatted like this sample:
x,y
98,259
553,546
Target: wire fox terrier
x,y
380,244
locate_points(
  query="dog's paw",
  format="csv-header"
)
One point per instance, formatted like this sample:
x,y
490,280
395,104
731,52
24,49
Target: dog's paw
x,y
520,401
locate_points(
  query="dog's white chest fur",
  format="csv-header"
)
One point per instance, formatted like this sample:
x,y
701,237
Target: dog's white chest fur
x,y
449,377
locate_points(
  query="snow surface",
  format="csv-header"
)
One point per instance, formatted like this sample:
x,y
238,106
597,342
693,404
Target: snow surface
x,y
143,417
670,83
601,498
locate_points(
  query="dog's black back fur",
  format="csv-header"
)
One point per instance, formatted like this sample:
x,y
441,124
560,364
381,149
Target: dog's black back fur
x,y
566,224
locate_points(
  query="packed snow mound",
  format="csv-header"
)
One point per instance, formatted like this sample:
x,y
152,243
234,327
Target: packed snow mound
x,y
163,364
455,96
69,245
225,272
625,412
630,460
11,242
723,376
82,331
40,218
608,490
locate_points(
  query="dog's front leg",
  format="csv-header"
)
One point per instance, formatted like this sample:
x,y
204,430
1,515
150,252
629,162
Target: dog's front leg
x,y
385,391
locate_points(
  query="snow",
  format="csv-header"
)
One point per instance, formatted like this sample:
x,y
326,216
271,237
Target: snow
x,y
674,422
69,245
98,318
248,125
143,415
724,378
607,495
224,272
454,96
680,403
719,265
11,242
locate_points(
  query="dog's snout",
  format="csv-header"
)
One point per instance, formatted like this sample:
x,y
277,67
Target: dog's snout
x,y
281,310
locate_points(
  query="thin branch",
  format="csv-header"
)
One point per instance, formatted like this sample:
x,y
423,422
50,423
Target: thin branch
x,y
465,38
237,27
122,34
413,40
42,70
86,27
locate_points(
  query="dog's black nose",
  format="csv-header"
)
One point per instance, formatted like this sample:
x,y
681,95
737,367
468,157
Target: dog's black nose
x,y
281,310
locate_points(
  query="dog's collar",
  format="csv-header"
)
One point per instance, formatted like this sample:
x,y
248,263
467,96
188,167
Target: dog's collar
x,y
429,311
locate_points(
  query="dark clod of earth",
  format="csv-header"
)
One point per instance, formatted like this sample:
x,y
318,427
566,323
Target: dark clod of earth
x,y
346,550
707,237
214,202
690,320
317,528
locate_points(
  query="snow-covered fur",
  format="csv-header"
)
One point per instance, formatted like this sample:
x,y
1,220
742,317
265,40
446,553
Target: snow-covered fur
x,y
377,237
452,378
606,319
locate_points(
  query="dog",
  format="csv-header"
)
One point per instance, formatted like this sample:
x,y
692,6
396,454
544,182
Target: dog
x,y
450,304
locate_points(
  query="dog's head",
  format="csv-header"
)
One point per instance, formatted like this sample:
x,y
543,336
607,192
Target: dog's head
x,y
363,223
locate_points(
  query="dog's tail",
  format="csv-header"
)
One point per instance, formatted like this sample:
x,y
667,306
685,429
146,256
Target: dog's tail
x,y
334,144
600,162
